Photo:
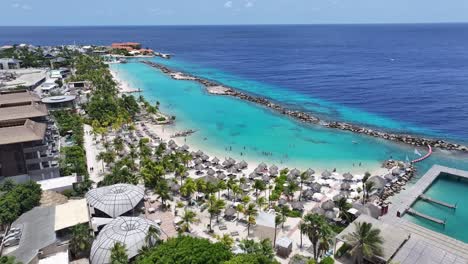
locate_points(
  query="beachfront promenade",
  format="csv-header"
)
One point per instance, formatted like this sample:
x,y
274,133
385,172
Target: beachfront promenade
x,y
433,247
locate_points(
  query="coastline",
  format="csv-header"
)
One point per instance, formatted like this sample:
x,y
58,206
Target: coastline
x,y
215,88
166,131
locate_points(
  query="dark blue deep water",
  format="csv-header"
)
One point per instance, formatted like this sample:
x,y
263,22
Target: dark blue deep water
x,y
415,75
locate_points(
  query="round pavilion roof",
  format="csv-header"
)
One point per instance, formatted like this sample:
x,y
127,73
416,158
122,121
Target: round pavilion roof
x,y
58,99
115,200
129,231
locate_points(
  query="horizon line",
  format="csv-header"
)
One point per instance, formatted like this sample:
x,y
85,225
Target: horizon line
x,y
259,24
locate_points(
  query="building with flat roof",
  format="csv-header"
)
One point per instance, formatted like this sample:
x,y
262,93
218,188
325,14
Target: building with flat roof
x,y
27,78
45,231
9,64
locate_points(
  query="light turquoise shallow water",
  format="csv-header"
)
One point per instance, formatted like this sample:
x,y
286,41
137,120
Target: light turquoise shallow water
x,y
449,189
224,122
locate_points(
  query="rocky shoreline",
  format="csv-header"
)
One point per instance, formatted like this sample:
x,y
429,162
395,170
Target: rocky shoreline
x,y
308,118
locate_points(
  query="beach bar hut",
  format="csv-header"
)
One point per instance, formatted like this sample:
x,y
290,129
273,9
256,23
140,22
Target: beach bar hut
x,y
265,227
284,247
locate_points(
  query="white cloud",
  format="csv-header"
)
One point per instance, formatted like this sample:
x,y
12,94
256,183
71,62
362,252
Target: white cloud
x,y
248,4
21,6
228,4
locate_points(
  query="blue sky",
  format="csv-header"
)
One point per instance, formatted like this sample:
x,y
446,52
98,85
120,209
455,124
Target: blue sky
x,y
188,12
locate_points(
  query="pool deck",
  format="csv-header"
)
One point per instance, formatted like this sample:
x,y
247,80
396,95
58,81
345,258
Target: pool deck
x,y
425,245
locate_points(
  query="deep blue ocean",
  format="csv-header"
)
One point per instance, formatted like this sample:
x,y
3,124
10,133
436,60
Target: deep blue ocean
x,y
399,77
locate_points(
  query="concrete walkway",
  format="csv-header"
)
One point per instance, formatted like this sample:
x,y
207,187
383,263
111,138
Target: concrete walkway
x,y
92,151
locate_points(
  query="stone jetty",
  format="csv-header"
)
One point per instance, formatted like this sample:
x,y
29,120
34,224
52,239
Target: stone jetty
x,y
219,89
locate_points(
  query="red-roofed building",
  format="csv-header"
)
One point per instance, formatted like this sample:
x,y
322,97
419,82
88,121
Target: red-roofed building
x,y
127,46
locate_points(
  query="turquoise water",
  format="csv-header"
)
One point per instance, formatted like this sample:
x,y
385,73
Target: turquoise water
x,y
449,189
228,123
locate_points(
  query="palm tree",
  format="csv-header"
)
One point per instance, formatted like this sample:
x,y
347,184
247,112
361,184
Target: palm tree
x,y
119,254
153,236
365,242
344,206
251,213
162,190
301,230
284,211
278,221
315,227
230,184
369,186
188,189
80,243
214,208
188,218
259,185
239,209
290,189
226,240
303,177
261,202
221,186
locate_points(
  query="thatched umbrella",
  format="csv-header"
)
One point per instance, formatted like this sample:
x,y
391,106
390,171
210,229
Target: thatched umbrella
x,y
211,172
282,201
199,153
226,163
222,176
309,172
328,205
348,176
198,161
245,187
232,176
262,166
259,170
273,168
317,210
232,170
295,172
266,178
326,175
252,175
308,193
345,186
199,167
297,206
231,161
171,142
274,173
205,157
219,166
229,212
330,214
185,147
316,187
338,197
215,160
243,164
175,187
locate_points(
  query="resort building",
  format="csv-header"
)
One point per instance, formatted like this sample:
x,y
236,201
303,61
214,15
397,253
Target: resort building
x,y
129,231
26,78
45,232
28,139
127,46
9,64
59,102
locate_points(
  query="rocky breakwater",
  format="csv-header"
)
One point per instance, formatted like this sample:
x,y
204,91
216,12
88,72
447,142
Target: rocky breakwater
x,y
219,89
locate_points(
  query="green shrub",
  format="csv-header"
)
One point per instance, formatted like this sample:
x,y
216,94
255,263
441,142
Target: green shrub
x,y
327,260
342,250
160,119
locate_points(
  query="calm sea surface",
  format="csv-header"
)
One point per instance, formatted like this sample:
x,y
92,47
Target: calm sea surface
x,y
411,78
